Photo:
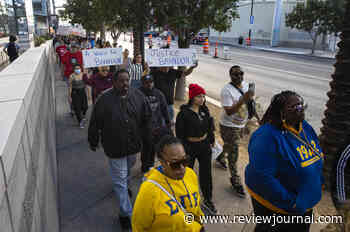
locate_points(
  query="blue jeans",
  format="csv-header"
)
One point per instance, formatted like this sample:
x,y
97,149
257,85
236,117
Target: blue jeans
x,y
120,173
136,84
171,112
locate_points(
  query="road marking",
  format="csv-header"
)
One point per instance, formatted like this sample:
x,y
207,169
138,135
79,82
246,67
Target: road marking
x,y
260,67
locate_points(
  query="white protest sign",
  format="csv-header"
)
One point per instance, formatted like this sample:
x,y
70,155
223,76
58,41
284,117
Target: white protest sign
x,y
102,57
170,57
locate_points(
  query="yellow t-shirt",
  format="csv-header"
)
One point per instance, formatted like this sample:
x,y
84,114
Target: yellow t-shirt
x,y
155,211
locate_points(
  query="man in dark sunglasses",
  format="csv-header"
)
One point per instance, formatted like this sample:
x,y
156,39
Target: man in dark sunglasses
x,y
99,82
234,98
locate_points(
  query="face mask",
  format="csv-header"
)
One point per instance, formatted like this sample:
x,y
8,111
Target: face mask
x,y
77,71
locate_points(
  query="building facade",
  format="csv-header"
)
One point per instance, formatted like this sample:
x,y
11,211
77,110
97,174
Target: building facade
x,y
268,27
41,10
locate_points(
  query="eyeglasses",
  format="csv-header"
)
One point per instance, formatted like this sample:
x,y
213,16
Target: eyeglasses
x,y
177,164
104,70
298,107
237,73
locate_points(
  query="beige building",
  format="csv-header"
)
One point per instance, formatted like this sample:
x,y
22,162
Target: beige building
x,y
269,26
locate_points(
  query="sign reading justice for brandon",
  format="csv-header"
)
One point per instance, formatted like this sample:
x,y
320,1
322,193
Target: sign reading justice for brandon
x,y
170,57
102,57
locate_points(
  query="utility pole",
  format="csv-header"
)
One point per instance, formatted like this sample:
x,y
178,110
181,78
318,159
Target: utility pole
x,y
54,7
251,20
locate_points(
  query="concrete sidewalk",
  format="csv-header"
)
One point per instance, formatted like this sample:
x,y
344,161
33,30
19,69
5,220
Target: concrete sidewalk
x,y
87,201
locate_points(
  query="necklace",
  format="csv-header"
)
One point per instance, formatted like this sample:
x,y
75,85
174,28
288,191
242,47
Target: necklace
x,y
307,143
173,193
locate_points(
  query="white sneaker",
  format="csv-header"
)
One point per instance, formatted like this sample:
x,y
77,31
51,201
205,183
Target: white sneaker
x,y
81,125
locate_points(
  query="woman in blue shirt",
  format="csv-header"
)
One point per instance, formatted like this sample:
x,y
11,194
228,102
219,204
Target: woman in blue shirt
x,y
284,174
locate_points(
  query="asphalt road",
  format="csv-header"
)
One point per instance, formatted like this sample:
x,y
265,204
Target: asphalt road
x,y
272,73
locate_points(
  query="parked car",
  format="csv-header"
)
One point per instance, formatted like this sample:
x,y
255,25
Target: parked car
x,y
199,38
153,33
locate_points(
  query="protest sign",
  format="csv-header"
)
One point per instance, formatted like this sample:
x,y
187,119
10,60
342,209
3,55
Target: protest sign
x,y
102,57
170,57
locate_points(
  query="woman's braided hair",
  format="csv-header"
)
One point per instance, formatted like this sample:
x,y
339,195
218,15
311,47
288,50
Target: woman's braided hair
x,y
273,112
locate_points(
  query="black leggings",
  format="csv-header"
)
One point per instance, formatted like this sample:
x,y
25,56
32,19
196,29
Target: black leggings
x,y
202,152
260,210
79,103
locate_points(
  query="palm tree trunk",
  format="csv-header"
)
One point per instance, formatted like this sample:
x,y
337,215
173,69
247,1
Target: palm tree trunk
x,y
335,133
184,42
136,41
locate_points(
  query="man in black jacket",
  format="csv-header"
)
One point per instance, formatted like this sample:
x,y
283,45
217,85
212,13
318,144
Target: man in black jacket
x,y
161,124
121,120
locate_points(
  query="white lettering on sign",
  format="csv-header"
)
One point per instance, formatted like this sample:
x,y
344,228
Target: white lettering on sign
x,y
102,57
170,57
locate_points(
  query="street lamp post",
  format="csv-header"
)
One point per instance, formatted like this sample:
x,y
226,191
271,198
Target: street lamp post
x,y
251,21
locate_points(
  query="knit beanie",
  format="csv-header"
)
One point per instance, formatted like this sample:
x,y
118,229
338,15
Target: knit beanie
x,y
195,90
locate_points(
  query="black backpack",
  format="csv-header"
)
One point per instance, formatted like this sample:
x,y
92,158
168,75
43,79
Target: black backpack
x,y
12,50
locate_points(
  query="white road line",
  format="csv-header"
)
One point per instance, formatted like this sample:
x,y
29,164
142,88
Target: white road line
x,y
260,67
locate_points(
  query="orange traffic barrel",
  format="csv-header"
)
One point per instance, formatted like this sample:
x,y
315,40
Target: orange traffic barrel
x,y
247,41
206,47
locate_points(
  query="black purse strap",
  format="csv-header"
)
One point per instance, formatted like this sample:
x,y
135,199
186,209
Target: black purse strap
x,y
239,89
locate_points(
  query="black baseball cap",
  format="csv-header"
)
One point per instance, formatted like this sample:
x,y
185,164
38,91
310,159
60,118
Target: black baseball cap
x,y
148,78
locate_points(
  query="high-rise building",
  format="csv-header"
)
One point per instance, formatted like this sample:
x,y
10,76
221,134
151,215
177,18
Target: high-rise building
x,y
41,10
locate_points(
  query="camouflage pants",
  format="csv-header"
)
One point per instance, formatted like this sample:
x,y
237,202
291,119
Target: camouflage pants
x,y
231,137
345,227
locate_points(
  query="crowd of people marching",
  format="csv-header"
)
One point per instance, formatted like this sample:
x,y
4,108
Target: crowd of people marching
x,y
133,112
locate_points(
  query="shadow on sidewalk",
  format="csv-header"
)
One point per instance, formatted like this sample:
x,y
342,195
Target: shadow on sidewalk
x,y
87,201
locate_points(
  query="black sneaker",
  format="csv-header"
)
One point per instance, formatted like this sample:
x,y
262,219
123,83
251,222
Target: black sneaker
x,y
209,206
221,163
125,223
130,193
237,186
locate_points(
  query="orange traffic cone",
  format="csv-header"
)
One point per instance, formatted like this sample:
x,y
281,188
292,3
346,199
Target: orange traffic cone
x,y
216,50
169,40
150,40
206,47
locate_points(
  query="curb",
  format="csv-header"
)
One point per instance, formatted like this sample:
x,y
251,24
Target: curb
x,y
272,51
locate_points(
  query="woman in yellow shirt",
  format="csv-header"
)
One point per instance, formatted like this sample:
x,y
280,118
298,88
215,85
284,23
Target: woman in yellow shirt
x,y
169,200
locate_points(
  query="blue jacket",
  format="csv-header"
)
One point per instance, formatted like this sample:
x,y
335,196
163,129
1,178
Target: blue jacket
x,y
282,171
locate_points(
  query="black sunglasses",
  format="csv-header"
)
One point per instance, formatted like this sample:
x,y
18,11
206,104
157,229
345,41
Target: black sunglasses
x,y
237,73
177,164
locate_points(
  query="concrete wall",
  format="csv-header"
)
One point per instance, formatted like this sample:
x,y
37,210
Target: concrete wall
x,y
263,25
28,168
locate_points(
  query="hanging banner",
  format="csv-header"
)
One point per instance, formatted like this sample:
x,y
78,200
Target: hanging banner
x,y
102,57
170,57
